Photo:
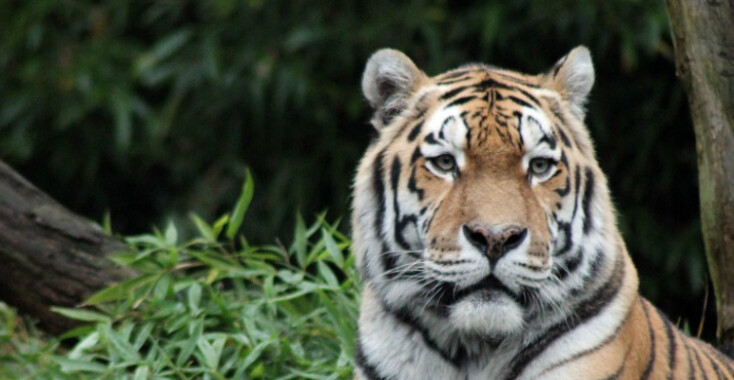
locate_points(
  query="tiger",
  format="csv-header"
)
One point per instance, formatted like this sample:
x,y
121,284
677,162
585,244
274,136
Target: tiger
x,y
486,239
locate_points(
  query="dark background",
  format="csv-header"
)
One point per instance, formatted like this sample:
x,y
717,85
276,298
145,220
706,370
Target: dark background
x,y
148,110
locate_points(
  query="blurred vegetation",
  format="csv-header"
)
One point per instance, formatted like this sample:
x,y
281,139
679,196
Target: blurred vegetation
x,y
211,307
148,109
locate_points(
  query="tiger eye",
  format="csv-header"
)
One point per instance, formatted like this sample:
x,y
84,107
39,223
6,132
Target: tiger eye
x,y
540,166
444,162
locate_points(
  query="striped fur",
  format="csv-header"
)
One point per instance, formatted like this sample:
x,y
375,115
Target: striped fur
x,y
487,240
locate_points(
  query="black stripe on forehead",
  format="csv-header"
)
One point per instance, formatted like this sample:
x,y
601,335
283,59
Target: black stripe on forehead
x,y
415,131
518,101
494,84
468,129
521,96
546,138
451,93
456,74
430,139
416,155
462,100
551,141
515,79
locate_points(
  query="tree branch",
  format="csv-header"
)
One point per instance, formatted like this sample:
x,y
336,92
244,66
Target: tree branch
x,y
704,52
48,255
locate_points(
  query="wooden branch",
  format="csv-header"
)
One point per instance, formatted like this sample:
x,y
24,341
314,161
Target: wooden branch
x,y
48,255
703,35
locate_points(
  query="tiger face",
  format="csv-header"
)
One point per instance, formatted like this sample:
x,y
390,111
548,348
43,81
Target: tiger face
x,y
473,207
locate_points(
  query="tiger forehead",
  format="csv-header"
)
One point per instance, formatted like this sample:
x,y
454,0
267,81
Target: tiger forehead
x,y
490,104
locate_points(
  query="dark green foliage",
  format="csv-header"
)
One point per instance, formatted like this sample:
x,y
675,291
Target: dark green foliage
x,y
150,109
211,307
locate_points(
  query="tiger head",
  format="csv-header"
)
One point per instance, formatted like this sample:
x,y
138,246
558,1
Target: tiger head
x,y
480,204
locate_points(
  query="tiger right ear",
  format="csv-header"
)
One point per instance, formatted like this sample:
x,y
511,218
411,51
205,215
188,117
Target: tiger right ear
x,y
389,78
572,77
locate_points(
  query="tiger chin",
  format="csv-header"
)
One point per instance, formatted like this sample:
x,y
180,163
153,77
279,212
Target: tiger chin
x,y
487,240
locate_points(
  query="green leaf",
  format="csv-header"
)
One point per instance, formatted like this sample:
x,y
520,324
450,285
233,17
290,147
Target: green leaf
x,y
217,261
332,248
123,258
268,287
194,297
107,222
76,365
171,234
162,286
148,62
316,252
120,345
84,344
293,295
258,371
212,351
204,230
291,277
254,354
189,345
300,241
121,290
219,226
80,314
143,334
327,274
122,111
78,332
238,214
147,240
141,373
170,44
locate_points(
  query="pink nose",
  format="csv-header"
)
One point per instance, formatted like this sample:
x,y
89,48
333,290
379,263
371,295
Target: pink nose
x,y
495,242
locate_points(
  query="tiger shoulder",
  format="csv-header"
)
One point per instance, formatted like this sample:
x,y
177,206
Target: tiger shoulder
x,y
487,240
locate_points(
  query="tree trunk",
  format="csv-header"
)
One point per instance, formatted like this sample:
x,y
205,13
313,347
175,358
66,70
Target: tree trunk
x,y
48,255
703,35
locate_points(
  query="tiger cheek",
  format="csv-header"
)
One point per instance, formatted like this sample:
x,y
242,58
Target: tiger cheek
x,y
434,188
553,191
536,217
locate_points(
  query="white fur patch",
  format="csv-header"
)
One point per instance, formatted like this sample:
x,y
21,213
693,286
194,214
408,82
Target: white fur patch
x,y
474,314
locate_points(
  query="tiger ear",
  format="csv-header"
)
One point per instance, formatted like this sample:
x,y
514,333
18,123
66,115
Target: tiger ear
x,y
572,77
389,78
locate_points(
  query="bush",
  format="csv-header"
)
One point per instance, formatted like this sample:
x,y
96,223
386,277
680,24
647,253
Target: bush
x,y
212,307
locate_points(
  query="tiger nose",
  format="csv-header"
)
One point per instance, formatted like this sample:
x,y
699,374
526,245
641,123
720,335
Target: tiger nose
x,y
493,241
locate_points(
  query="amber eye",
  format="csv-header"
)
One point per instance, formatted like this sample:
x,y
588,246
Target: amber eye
x,y
444,162
540,166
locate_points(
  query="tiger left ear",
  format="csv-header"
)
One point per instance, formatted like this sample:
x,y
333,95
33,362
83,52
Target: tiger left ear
x,y
572,77
389,79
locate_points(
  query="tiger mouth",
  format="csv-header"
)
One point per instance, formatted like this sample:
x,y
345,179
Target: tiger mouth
x,y
488,289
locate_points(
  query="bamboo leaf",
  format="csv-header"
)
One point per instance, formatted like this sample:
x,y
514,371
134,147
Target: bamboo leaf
x,y
300,241
121,290
80,314
238,214
332,248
